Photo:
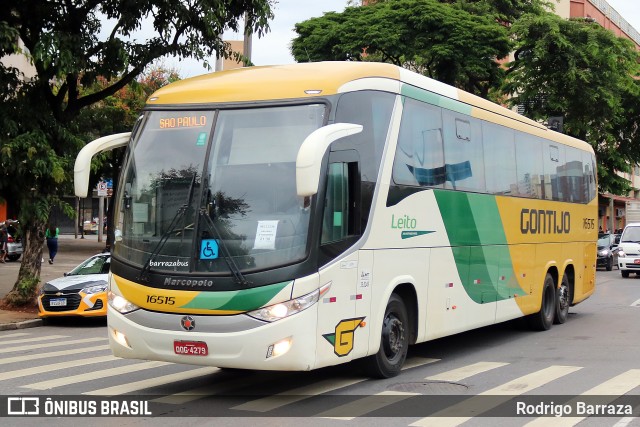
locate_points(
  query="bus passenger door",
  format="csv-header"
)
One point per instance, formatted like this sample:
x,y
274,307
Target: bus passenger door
x,y
338,325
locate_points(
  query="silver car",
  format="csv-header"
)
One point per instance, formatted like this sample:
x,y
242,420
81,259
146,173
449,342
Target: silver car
x,y
14,242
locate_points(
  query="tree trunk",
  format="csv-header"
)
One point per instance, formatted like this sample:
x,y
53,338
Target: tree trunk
x,y
25,289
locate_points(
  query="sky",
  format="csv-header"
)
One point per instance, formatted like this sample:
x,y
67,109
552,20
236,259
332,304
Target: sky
x,y
273,48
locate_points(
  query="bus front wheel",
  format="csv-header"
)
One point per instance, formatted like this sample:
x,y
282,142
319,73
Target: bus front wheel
x,y
394,341
542,320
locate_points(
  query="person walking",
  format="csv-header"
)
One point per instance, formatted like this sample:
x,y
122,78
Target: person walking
x,y
4,238
52,234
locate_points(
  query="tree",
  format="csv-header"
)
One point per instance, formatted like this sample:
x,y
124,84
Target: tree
x,y
583,72
71,45
115,114
439,40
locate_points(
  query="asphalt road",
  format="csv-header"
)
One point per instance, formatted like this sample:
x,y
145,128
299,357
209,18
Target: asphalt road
x,y
595,353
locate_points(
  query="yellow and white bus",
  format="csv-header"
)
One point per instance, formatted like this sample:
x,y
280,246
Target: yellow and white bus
x,y
300,216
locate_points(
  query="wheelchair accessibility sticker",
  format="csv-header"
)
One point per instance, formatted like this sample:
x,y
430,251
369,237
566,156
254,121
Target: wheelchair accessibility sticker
x,y
208,249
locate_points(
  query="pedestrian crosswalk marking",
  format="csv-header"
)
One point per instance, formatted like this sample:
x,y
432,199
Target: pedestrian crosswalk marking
x,y
152,382
363,406
208,390
466,371
35,339
51,344
414,362
291,396
17,334
36,356
100,373
612,388
288,397
447,417
54,367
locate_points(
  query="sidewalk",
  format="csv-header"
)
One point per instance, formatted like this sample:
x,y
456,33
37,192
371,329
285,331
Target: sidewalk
x,y
71,252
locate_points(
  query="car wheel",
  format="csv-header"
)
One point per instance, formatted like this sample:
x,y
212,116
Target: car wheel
x,y
624,273
394,341
563,301
13,257
543,319
609,263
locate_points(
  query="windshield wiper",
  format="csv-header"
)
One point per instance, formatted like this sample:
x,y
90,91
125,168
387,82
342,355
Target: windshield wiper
x,y
233,267
180,213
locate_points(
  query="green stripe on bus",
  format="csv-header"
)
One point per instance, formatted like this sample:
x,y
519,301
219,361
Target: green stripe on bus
x,y
242,300
435,99
479,245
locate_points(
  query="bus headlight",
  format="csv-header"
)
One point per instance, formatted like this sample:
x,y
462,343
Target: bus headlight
x,y
120,304
286,308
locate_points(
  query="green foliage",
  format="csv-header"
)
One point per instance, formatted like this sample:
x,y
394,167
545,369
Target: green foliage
x,y
84,53
439,40
584,73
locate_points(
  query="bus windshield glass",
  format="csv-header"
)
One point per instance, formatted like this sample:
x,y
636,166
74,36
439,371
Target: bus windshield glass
x,y
201,189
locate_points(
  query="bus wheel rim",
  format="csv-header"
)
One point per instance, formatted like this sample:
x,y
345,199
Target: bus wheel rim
x,y
393,336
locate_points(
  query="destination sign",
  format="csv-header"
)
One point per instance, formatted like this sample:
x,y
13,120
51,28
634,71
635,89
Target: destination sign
x,y
183,122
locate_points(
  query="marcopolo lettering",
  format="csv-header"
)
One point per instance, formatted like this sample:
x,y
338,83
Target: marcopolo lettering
x,y
540,221
192,283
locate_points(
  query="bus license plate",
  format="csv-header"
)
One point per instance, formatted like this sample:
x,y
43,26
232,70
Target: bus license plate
x,y
191,348
58,302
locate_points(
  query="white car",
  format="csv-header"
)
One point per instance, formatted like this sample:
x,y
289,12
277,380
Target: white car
x,y
81,292
629,250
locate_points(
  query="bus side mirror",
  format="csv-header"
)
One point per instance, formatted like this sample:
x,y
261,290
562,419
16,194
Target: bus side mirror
x,y
82,166
312,151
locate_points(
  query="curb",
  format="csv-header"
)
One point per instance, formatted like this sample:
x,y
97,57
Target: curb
x,y
21,325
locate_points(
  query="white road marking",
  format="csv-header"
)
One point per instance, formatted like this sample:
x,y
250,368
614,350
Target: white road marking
x,y
51,344
28,357
613,389
40,369
99,373
152,382
466,371
447,417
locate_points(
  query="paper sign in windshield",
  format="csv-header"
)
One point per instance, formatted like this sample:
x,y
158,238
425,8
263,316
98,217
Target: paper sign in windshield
x,y
266,235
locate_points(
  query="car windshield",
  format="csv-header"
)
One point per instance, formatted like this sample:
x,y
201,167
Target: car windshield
x,y
201,188
95,265
631,235
604,241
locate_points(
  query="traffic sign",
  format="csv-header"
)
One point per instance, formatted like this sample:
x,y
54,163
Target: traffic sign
x,y
102,189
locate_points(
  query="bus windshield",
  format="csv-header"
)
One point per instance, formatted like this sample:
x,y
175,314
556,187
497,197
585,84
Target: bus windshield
x,y
203,188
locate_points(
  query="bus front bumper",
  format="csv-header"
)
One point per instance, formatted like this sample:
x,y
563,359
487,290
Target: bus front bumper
x,y
287,344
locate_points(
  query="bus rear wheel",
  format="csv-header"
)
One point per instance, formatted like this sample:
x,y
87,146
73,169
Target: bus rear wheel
x,y
542,320
394,341
563,301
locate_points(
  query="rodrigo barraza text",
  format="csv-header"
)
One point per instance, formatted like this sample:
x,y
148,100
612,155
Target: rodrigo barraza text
x,y
572,408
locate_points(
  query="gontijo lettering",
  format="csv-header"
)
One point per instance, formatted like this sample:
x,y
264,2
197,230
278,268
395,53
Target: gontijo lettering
x,y
540,221
182,122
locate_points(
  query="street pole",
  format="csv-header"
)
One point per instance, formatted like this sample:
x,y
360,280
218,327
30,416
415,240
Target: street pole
x,y
100,217
612,217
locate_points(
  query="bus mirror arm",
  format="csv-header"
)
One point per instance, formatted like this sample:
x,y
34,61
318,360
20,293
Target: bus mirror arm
x,y
82,166
312,151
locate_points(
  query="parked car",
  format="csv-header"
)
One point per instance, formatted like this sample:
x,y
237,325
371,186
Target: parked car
x,y
81,292
607,251
14,240
629,250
